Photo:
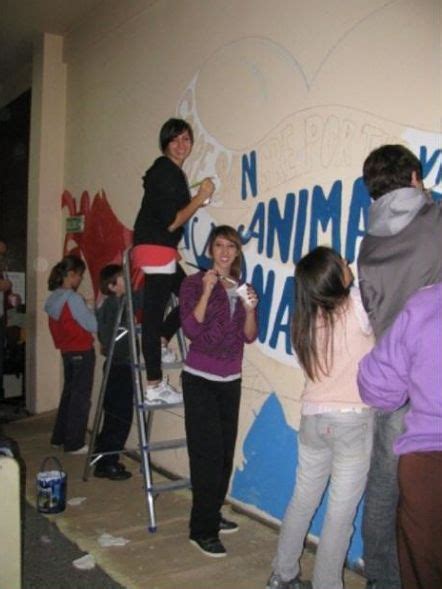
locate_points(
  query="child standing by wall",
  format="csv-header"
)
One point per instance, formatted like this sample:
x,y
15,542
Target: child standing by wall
x,y
331,333
72,325
118,397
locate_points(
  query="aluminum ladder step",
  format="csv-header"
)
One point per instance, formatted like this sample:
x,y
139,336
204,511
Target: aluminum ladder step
x,y
169,486
166,445
166,366
157,406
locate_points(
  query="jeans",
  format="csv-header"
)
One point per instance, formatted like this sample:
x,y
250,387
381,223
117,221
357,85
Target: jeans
x,y
118,413
73,410
211,412
335,447
157,291
381,499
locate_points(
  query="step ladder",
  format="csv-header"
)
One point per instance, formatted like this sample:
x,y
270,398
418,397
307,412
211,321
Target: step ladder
x,y
144,413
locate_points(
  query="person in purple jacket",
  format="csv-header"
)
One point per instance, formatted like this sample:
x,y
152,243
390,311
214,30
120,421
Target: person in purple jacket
x,y
218,321
406,364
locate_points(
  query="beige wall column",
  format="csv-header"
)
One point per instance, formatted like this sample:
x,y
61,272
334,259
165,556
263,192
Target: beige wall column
x,y
46,173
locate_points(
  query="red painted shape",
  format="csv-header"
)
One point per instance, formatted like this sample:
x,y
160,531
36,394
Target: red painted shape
x,y
104,238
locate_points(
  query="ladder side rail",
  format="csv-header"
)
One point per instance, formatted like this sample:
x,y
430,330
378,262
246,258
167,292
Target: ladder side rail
x,y
182,342
101,395
133,349
143,421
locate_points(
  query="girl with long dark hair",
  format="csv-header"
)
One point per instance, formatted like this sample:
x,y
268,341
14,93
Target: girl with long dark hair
x,y
331,333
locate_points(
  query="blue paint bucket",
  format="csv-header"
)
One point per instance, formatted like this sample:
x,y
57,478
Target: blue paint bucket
x,y
51,487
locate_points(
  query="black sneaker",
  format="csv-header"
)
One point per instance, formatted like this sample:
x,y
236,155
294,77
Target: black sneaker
x,y
113,472
209,546
227,527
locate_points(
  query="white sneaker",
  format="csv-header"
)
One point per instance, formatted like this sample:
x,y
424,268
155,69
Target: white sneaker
x,y
168,356
162,394
83,450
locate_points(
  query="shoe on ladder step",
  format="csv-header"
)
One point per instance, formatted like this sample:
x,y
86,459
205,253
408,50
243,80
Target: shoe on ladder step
x,y
162,393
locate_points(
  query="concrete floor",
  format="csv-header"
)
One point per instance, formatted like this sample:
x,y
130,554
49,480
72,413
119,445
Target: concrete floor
x,y
164,560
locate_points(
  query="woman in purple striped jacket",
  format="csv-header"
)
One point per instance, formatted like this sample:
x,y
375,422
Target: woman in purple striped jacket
x,y
218,321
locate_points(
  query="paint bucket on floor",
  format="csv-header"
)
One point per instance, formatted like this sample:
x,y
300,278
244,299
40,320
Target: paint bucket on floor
x,y
51,487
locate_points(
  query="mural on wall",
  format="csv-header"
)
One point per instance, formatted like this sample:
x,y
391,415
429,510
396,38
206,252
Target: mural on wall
x,y
286,191
282,132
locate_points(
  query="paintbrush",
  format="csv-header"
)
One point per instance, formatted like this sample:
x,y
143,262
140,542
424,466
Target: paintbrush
x,y
196,184
220,276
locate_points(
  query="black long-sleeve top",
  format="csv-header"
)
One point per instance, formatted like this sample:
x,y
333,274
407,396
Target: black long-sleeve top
x,y
166,192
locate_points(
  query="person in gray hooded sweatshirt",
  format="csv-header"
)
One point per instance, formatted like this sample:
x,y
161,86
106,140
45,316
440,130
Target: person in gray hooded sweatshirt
x,y
400,253
72,325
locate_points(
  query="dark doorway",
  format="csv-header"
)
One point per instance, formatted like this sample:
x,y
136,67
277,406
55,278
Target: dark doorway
x,y
14,165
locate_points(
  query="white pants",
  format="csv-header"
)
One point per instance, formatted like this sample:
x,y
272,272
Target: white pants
x,y
335,447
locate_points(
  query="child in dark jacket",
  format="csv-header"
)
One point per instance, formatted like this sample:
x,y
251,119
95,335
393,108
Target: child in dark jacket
x,y
118,397
72,325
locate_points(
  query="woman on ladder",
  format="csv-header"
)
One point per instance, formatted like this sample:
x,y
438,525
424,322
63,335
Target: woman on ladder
x,y
166,207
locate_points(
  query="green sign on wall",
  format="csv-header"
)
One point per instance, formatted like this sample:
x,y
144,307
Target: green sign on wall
x,y
75,224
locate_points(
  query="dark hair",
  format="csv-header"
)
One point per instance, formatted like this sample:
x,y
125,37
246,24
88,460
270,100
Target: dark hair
x,y
171,129
60,271
232,235
108,276
319,292
388,168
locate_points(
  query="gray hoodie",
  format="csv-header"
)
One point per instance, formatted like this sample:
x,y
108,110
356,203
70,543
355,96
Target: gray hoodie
x,y
80,312
401,252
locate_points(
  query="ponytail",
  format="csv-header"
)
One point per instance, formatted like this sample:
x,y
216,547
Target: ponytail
x,y
60,271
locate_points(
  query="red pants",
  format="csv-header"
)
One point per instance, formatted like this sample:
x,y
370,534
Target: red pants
x,y
419,520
